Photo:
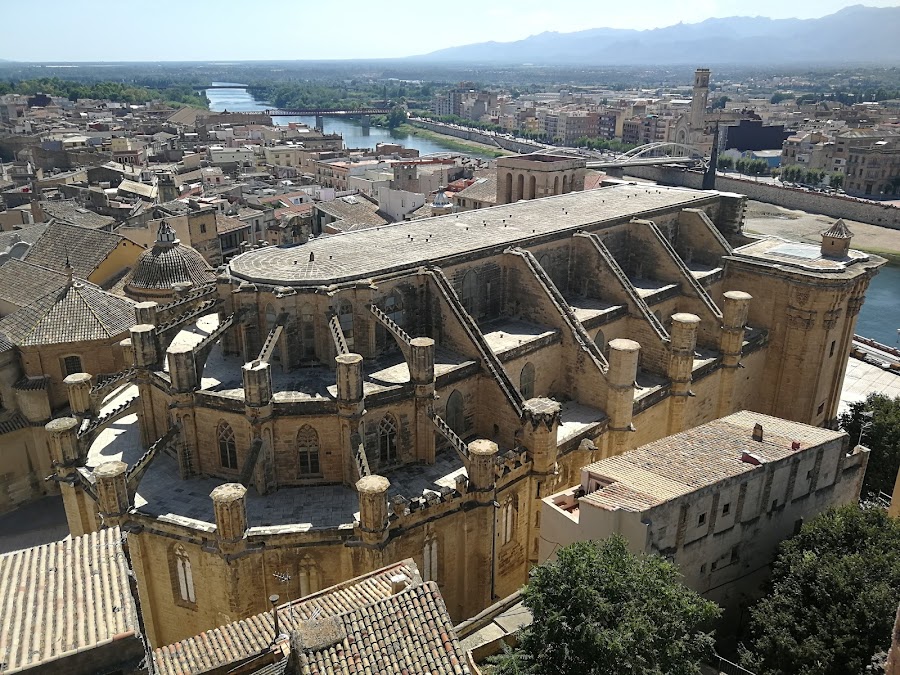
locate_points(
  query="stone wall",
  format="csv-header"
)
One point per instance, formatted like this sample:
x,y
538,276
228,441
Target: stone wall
x,y
479,137
836,206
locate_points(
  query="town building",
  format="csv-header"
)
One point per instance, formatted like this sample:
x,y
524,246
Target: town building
x,y
413,390
874,169
537,175
389,618
68,608
716,499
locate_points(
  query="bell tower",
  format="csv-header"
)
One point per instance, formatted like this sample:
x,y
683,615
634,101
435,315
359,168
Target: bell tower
x,y
700,98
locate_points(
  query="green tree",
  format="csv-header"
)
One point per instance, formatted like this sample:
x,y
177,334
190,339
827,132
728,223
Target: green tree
x,y
725,163
600,609
396,117
834,594
719,103
837,180
881,417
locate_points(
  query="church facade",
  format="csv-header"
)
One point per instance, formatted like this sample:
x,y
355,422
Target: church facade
x,y
414,390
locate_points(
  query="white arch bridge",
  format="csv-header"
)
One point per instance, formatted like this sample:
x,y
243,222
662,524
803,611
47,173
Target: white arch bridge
x,y
662,152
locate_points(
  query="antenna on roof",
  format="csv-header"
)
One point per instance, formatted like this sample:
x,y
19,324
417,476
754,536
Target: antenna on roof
x,y
69,271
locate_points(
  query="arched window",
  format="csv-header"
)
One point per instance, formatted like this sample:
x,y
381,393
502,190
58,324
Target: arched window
x,y
520,187
508,191
526,381
430,559
345,316
387,440
507,524
532,187
556,185
600,341
393,307
470,292
72,365
310,578
270,318
184,575
308,451
227,446
565,183
307,333
455,414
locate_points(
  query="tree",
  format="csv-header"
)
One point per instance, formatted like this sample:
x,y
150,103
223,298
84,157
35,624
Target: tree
x,y
836,180
834,594
600,609
725,163
881,436
396,117
719,103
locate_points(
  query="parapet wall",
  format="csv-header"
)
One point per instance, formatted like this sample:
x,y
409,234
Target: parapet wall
x,y
836,206
479,137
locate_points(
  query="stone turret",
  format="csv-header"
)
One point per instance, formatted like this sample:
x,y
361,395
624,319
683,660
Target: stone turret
x,y
836,240
482,455
540,420
78,387
230,506
63,433
681,365
735,309
624,356
145,312
257,383
373,508
182,367
145,343
112,491
421,373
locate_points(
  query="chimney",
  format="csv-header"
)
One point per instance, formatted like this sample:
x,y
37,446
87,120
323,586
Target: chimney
x,y
795,445
274,600
757,432
399,583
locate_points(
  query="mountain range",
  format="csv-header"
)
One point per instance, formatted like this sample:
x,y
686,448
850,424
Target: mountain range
x,y
857,34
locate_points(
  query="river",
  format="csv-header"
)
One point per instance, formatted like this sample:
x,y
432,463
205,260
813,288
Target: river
x,y
238,100
879,318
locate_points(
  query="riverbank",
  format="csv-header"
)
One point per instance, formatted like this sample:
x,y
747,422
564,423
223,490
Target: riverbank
x,y
772,220
454,143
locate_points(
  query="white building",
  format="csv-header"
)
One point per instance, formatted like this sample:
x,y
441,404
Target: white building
x,y
716,499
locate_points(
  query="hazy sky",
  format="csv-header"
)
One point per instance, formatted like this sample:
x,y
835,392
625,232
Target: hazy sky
x,y
203,30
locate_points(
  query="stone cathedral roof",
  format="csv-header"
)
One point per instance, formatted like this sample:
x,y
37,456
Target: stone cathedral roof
x,y
78,311
167,263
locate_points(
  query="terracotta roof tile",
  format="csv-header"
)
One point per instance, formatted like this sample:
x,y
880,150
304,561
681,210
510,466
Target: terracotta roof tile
x,y
85,248
61,597
22,283
76,312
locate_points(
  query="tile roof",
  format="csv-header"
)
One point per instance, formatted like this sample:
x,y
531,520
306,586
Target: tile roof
x,y
226,224
73,213
29,235
242,639
409,632
691,460
61,597
482,190
166,264
22,283
86,249
352,210
76,312
838,231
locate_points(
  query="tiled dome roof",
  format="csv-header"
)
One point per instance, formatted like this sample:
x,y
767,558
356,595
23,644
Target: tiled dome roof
x,y
838,231
167,263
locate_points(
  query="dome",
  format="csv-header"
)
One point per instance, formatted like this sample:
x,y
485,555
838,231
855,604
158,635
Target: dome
x,y
167,263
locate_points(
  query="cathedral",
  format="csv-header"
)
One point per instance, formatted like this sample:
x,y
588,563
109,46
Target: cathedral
x,y
413,390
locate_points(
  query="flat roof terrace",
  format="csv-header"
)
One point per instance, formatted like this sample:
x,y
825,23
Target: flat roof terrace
x,y
374,251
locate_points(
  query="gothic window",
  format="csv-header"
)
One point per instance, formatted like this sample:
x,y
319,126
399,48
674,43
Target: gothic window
x,y
430,559
455,414
526,381
310,578
184,576
307,333
393,307
600,341
345,316
270,318
308,451
227,446
387,440
470,292
507,525
72,365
